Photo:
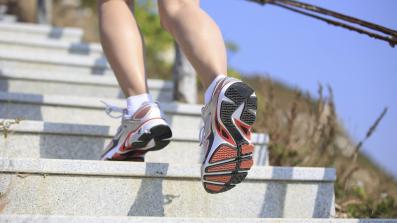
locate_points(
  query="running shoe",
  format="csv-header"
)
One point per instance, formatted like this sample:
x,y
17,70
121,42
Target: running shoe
x,y
226,135
146,130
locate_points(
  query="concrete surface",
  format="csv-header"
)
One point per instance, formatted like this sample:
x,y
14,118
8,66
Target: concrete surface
x,y
43,32
31,139
81,219
77,85
64,187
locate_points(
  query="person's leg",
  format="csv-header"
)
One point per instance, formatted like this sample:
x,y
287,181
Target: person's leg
x,y
198,36
230,109
143,128
122,44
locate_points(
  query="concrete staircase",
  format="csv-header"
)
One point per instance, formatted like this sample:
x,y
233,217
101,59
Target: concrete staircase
x,y
49,162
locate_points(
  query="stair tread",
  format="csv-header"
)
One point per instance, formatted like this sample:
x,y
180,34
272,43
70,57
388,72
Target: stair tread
x,y
53,43
93,102
82,79
26,126
166,170
31,27
56,59
116,219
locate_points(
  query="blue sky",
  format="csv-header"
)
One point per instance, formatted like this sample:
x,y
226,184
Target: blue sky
x,y
301,52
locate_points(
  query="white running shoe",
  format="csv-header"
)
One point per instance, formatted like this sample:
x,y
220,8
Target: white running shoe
x,y
226,135
146,130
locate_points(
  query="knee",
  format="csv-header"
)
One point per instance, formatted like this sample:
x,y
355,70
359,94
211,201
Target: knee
x,y
169,11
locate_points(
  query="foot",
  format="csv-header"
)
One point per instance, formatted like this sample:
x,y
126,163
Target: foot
x,y
226,136
144,131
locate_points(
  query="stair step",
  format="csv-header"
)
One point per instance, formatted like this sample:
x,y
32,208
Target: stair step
x,y
7,18
113,219
49,46
44,32
77,85
33,139
89,110
65,187
24,62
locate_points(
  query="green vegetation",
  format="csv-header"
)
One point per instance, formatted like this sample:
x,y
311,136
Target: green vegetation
x,y
305,132
156,39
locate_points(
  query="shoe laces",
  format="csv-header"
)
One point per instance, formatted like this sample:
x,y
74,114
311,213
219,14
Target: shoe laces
x,y
110,108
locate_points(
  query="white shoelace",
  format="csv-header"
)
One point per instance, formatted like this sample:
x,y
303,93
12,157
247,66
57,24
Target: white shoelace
x,y
109,109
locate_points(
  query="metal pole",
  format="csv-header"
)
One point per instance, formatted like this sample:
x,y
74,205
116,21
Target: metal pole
x,y
184,75
44,11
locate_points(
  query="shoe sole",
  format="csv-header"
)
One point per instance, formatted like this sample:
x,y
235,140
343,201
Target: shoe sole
x,y
160,134
229,165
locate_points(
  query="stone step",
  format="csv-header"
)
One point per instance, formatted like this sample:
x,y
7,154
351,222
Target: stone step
x,y
77,85
36,31
113,219
24,62
104,188
7,18
49,46
33,139
89,110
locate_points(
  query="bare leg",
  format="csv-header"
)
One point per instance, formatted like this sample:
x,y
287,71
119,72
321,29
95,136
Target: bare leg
x,y
122,44
197,35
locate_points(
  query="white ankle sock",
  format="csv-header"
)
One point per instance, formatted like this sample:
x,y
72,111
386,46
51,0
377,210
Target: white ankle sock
x,y
135,102
211,88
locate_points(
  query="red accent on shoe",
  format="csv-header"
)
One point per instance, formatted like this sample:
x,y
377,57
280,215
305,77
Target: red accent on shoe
x,y
223,153
222,132
246,164
222,167
214,188
118,156
141,112
247,149
218,178
245,129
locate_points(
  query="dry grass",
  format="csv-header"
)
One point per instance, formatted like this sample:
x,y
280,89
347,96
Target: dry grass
x,y
306,132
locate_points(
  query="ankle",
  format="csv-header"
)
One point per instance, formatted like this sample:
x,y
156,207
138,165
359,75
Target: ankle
x,y
208,93
135,102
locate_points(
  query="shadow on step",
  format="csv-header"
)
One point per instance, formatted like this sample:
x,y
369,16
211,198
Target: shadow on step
x,y
55,33
100,66
150,200
278,194
80,49
323,206
4,86
275,197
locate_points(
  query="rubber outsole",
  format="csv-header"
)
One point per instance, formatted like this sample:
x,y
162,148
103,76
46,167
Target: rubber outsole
x,y
229,165
161,134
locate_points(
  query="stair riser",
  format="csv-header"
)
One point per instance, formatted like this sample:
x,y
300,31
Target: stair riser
x,y
89,90
39,32
159,196
8,19
83,147
49,46
40,36
183,125
14,46
33,67
81,219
